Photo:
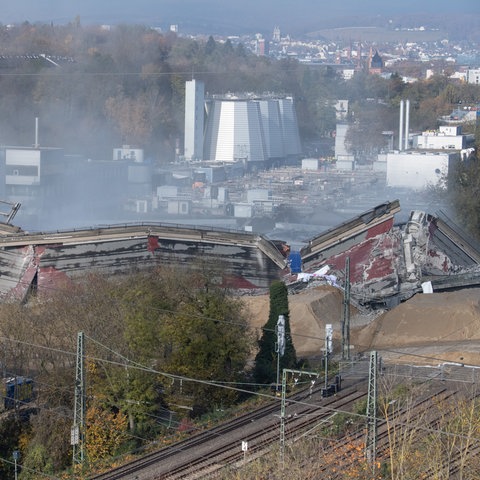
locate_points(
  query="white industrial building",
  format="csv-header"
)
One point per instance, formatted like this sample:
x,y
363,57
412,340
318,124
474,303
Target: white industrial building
x,y
445,138
234,132
194,119
473,76
288,117
311,164
272,128
344,159
417,170
426,159
29,175
126,152
257,131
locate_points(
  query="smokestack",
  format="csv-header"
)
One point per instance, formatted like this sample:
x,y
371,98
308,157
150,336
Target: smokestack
x,y
407,122
400,128
36,133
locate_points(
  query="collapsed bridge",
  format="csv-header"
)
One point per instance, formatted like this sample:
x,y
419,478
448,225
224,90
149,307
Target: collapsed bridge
x,y
387,261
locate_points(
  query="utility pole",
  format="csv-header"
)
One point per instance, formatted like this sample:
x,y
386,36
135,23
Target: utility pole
x,y
328,348
282,410
346,313
16,457
282,420
371,436
280,345
78,429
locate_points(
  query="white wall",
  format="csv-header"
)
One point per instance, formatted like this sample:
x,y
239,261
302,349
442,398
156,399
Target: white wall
x,y
22,167
258,194
416,170
178,207
167,191
242,210
345,162
310,164
447,137
128,153
473,76
341,133
194,119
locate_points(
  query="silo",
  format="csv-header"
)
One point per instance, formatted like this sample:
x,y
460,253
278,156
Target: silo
x,y
290,126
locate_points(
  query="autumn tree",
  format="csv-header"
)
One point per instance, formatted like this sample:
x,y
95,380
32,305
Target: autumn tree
x,y
404,421
179,323
448,449
10,431
106,432
209,341
464,185
46,449
131,115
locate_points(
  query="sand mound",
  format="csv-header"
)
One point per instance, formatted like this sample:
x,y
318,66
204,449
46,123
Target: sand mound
x,y
436,317
447,323
310,311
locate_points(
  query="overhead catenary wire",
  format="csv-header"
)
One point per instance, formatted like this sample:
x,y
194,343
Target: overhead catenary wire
x,y
23,467
132,363
193,314
136,365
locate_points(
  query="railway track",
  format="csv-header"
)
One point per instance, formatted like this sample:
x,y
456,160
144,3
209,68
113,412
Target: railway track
x,y
208,452
415,422
211,453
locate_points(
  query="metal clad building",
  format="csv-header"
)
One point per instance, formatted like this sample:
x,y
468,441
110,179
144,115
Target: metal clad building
x,y
273,128
290,126
234,132
194,119
417,170
243,128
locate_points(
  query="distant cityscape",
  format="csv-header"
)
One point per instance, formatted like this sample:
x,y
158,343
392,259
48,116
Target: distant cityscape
x,y
243,163
347,52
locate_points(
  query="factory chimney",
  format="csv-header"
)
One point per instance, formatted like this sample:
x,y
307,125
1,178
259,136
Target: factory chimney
x,y
403,129
407,122
36,145
400,127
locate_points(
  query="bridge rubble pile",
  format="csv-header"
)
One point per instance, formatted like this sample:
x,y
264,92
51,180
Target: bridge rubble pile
x,y
388,263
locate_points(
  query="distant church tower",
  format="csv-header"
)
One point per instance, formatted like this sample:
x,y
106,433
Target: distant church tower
x,y
276,35
375,63
194,119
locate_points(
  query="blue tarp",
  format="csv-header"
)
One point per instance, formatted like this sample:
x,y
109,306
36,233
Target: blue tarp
x,y
295,262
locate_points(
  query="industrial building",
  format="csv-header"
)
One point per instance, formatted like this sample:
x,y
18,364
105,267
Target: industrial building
x,y
194,119
446,137
423,160
257,131
417,170
345,160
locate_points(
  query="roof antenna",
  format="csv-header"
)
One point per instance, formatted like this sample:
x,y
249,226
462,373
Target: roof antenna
x,y
35,145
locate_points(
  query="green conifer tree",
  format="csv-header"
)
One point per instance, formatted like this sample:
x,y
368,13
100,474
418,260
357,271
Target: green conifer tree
x,y
265,370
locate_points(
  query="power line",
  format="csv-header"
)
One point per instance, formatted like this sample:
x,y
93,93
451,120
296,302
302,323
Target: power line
x,y
215,384
427,357
51,74
193,314
23,467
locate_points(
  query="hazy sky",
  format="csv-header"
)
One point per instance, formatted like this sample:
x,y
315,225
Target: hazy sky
x,y
235,14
